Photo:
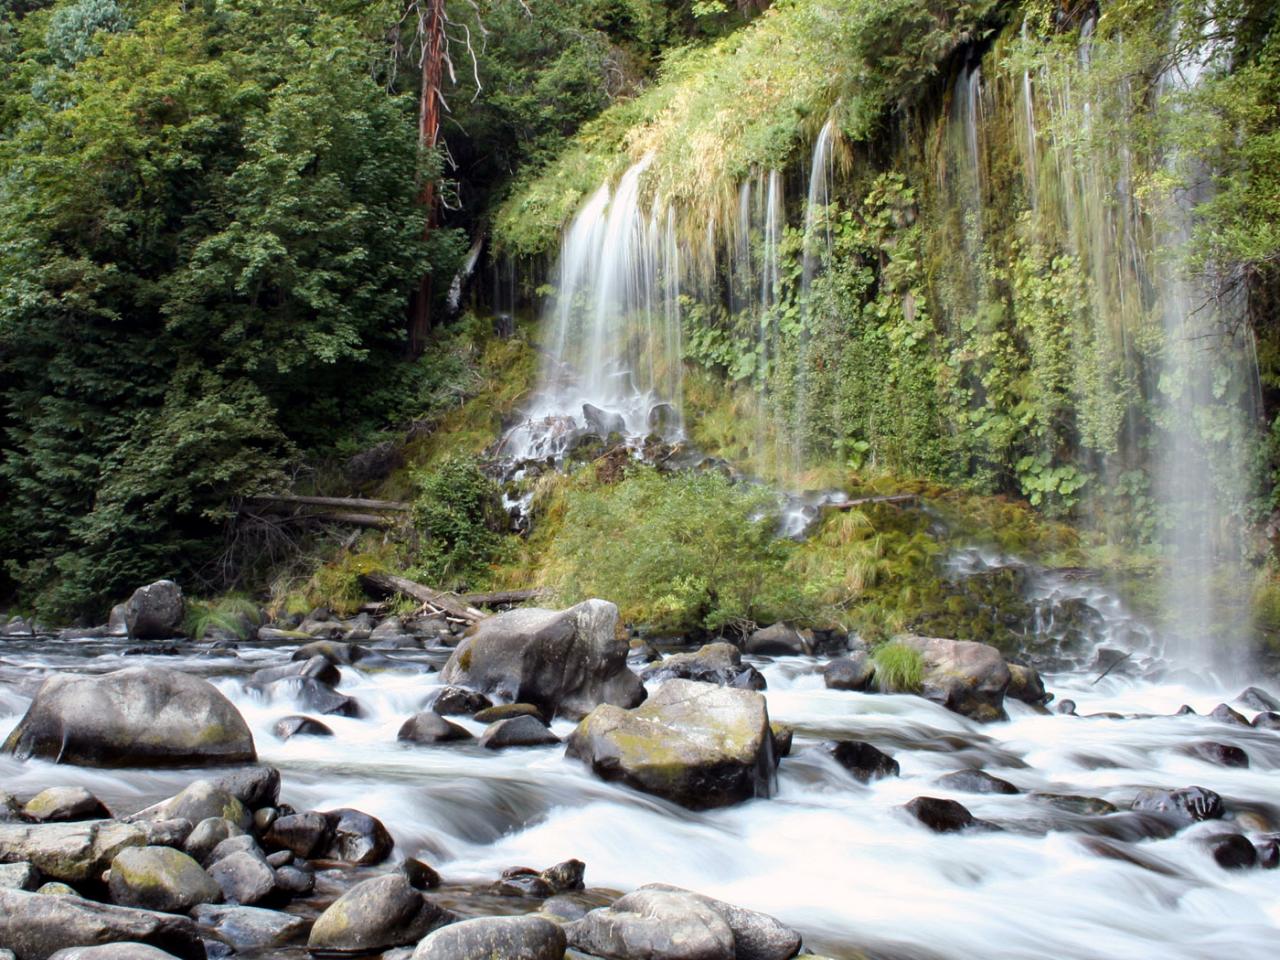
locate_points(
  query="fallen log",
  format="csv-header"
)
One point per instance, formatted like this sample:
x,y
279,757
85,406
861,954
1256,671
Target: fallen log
x,y
500,597
865,501
356,504
447,603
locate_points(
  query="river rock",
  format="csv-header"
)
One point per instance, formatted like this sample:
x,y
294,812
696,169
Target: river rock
x,y
199,801
719,663
256,786
965,677
72,852
356,837
306,834
19,876
313,695
699,745
1025,685
940,815
63,804
457,701
335,651
976,781
1257,699
208,835
241,844
1222,754
506,711
565,662
156,611
511,938
1266,721
603,422
864,761
160,878
250,928
300,726
297,879
854,672
318,668
781,639
35,926
1224,714
376,914
244,878
655,925
1188,805
1231,851
141,716
756,936
517,732
113,951
429,727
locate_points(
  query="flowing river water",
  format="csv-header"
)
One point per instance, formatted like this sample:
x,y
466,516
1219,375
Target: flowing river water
x,y
836,859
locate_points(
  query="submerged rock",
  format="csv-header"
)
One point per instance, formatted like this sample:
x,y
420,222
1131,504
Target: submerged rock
x,y
976,781
965,677
511,938
565,662
35,926
141,716
376,914
1222,754
719,663
316,668
699,745
1231,851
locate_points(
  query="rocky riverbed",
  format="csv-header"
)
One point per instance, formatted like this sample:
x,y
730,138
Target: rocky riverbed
x,y
377,786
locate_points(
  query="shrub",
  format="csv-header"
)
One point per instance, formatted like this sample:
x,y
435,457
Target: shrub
x,y
233,614
459,515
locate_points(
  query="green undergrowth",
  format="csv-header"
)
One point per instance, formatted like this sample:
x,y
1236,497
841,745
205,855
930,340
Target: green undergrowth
x,y
234,614
899,669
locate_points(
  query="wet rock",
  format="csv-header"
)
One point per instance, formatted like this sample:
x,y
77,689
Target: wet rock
x,y
783,737
1231,851
1186,711
281,858
55,889
940,815
19,876
241,844
523,882
506,711
1084,806
1268,848
154,650
156,611
250,928
430,727
566,876
564,662
780,639
60,804
699,745
113,951
457,701
719,663
159,878
512,938
255,787
965,677
1222,754
854,672
1188,805
142,716
976,781
567,907
1267,721
73,852
208,834
35,926
864,761
278,634
335,651
300,726
1224,714
376,914
603,422
1257,699
357,838
756,936
306,834
517,732
318,668
314,696
296,879
1067,708
421,876
199,801
167,833
244,878
1025,685
655,924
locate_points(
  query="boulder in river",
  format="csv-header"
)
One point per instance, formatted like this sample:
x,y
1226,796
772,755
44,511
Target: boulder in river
x,y
1256,698
208,834
854,672
940,815
965,677
72,852
1231,851
603,422
756,936
160,878
141,716
35,926
296,725
1222,754
200,800
376,914
781,639
517,732
356,837
429,727
656,924
699,745
1025,685
317,668
862,760
719,663
511,938
306,834
976,781
156,611
64,803
565,662
456,701
1188,805
113,951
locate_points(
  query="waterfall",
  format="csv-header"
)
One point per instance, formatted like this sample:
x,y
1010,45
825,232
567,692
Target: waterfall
x,y
613,350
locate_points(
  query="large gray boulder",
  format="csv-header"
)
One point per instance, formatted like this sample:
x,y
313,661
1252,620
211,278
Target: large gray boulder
x,y
565,662
71,852
113,951
700,745
160,878
375,915
965,677
36,926
511,938
156,611
199,801
653,925
756,936
141,716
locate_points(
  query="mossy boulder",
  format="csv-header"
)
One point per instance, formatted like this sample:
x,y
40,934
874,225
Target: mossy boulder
x,y
58,804
72,852
698,744
655,924
511,938
141,716
564,662
160,878
965,677
199,801
35,926
375,915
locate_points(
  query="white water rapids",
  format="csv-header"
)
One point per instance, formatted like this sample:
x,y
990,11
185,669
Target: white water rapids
x,y
837,860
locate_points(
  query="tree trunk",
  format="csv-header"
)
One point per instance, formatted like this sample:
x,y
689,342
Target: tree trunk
x,y
431,27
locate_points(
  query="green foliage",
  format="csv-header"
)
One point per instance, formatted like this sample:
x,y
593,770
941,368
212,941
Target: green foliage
x,y
899,668
235,615
73,29
459,516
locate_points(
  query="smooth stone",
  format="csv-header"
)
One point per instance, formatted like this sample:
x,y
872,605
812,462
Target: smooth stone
x,y
484,938
318,668
244,878
250,928
208,835
356,837
306,834
300,726
719,663
72,852
1267,721
60,804
256,786
1072,803
1026,685
976,781
160,878
566,876
296,879
507,711
517,732
173,832
240,844
155,612
756,936
940,815
113,951
335,651
1257,699
1222,754
862,760
965,677
35,926
313,695
55,889
197,802
1231,851
454,701
780,639
1224,714
1187,805
854,672
421,875
19,876
429,727
376,914
654,924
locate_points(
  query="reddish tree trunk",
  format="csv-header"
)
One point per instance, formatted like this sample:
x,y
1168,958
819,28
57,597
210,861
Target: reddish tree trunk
x,y
428,133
